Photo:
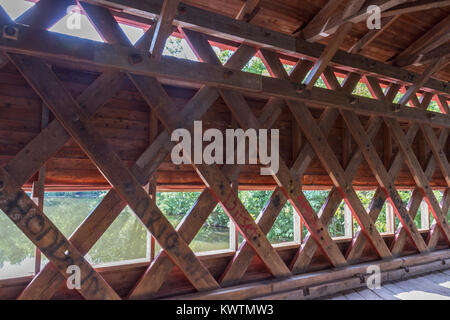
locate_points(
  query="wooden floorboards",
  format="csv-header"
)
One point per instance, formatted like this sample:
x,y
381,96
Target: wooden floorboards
x,y
431,286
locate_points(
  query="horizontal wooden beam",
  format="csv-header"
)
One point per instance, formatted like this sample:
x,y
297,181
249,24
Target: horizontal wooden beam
x,y
267,287
414,6
208,22
139,62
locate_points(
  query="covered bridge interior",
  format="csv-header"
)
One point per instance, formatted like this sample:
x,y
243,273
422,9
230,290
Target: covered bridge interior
x,y
360,112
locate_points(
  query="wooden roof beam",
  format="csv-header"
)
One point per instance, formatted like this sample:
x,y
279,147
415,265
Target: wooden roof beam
x,y
135,61
435,66
248,10
370,36
316,32
420,59
334,44
163,28
415,6
208,22
433,38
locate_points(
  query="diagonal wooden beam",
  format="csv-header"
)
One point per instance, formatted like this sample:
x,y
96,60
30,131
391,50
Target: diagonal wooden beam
x,y
45,13
158,271
67,111
357,247
438,152
163,28
159,101
48,281
354,14
371,35
304,257
246,11
434,230
433,38
45,235
414,6
426,58
242,112
419,177
334,44
434,67
383,178
228,28
416,199
213,178
321,19
337,174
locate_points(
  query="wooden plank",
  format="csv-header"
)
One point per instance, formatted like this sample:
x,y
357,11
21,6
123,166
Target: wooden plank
x,y
385,294
247,9
213,75
415,6
430,56
390,270
45,235
419,177
368,294
430,40
351,13
320,20
163,28
66,110
212,23
371,35
327,54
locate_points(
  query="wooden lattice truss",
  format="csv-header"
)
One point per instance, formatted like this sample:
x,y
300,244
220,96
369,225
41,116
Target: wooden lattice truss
x,y
72,121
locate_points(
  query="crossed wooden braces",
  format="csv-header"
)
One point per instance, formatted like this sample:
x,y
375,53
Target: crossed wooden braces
x,y
73,116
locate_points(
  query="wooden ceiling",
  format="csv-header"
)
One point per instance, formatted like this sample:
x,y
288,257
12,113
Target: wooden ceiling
x,y
288,16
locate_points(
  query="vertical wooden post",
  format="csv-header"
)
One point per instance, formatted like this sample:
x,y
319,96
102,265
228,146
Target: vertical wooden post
x,y
234,232
296,147
38,188
346,154
348,222
151,186
424,216
298,227
390,218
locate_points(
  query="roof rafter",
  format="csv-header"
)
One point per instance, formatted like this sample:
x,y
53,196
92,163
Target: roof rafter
x,y
437,35
248,10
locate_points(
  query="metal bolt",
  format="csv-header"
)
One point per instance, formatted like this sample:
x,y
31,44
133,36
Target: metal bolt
x,y
227,74
182,10
135,58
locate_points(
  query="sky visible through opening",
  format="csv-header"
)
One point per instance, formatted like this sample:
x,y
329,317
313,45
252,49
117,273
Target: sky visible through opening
x,y
15,8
